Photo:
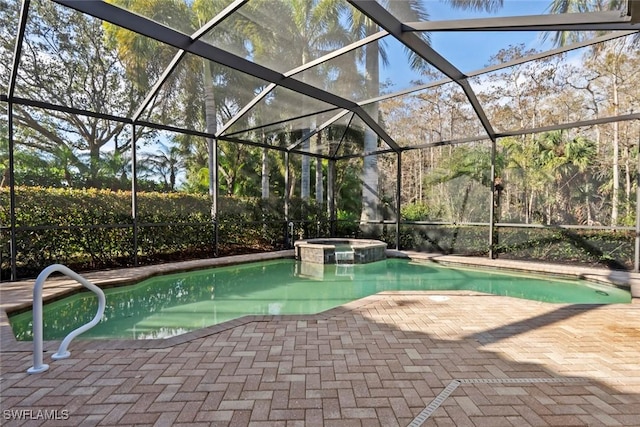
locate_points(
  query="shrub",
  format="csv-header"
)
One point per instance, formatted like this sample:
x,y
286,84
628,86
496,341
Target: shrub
x,y
419,212
91,228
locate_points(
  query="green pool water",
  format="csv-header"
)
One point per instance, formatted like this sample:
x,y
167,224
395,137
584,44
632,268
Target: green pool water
x,y
170,305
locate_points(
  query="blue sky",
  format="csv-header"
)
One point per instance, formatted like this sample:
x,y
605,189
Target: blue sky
x,y
470,51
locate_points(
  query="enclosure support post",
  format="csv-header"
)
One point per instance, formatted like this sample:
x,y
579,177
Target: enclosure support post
x,y
134,193
398,201
212,146
636,263
13,250
331,196
22,25
287,183
492,202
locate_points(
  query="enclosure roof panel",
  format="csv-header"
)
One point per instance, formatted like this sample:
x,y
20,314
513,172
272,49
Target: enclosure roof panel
x,y
346,55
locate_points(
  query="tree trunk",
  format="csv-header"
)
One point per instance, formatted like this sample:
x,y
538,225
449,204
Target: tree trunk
x,y
292,183
370,179
370,163
588,204
627,176
94,167
616,155
265,173
210,117
549,202
319,185
305,176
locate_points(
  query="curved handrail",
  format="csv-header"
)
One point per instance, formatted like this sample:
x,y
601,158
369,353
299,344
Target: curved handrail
x,y
62,353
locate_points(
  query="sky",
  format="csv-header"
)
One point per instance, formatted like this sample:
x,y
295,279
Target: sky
x,y
470,51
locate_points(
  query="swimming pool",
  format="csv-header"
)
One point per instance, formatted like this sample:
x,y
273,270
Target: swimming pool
x,y
170,305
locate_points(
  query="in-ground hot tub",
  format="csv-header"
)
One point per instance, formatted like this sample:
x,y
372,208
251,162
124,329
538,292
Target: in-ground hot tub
x,y
340,251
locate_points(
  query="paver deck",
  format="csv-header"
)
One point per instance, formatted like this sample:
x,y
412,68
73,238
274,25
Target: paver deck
x,y
392,359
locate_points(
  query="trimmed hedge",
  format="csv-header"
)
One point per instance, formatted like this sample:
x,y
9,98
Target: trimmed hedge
x,y
92,228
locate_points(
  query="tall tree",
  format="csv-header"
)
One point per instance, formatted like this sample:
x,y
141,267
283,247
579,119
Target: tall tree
x,y
66,60
565,37
165,163
199,91
614,74
561,38
304,31
575,181
374,56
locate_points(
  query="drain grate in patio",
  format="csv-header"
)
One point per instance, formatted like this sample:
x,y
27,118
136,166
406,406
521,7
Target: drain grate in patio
x,y
424,415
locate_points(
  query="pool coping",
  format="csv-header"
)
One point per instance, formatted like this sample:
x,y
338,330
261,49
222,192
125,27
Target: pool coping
x,y
15,296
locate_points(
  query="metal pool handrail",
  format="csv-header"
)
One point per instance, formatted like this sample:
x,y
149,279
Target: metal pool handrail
x,y
62,353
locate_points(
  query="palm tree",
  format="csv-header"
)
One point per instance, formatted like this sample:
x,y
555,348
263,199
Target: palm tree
x,y
616,55
562,38
204,89
579,154
306,30
166,163
532,163
361,27
114,170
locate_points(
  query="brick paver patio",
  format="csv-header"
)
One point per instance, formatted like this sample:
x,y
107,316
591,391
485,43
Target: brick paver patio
x,y
393,359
